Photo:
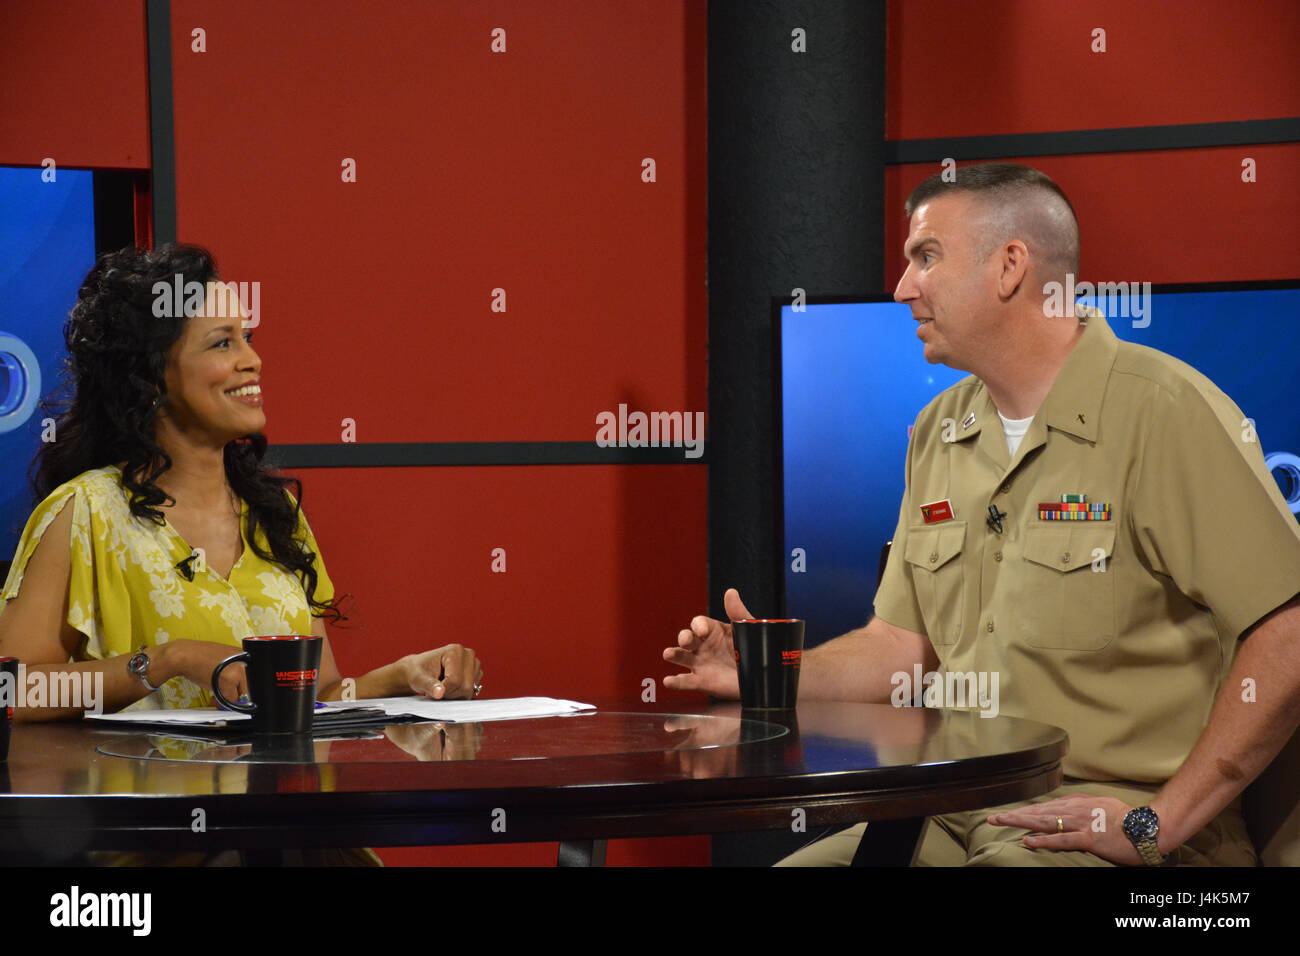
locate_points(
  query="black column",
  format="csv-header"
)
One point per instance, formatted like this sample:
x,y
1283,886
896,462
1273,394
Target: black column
x,y
796,197
161,121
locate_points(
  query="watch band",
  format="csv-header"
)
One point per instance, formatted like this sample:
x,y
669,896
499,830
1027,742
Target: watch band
x,y
1150,855
139,666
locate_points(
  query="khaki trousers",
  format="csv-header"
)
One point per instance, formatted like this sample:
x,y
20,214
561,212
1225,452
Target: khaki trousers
x,y
968,839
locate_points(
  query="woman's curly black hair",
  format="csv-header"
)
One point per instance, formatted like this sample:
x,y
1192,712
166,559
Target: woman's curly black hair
x,y
116,373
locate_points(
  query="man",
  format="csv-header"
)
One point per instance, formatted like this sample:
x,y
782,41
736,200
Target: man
x,y
1122,625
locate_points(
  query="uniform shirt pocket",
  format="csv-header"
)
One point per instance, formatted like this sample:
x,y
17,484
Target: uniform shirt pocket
x,y
934,554
1068,601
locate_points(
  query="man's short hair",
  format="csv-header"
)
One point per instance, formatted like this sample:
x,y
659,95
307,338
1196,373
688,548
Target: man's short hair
x,y
1018,202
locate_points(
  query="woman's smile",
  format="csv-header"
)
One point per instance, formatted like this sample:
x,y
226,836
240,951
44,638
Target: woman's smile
x,y
250,393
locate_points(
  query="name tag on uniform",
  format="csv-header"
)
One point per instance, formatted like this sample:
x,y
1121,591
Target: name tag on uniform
x,y
940,510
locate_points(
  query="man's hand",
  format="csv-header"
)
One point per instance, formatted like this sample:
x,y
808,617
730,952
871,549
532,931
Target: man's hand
x,y
447,673
1082,831
707,651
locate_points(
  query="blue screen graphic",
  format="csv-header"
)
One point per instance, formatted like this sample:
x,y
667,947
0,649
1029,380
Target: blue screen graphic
x,y
853,380
47,245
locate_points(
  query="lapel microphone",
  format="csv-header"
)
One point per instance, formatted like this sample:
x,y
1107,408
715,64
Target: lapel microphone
x,y
994,520
186,567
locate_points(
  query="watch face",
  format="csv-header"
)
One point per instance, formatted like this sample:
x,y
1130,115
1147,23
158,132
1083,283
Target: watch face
x,y
1141,824
138,662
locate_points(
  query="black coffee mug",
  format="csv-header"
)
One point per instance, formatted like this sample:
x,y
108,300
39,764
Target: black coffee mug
x,y
8,699
282,676
769,654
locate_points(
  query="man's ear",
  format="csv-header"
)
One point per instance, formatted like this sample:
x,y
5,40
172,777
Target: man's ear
x,y
1013,262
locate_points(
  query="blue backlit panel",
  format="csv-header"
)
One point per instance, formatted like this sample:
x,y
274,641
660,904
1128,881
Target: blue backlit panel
x,y
47,245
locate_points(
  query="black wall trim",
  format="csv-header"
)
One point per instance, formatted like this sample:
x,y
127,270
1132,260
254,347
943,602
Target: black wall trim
x,y
426,454
114,209
162,133
1118,140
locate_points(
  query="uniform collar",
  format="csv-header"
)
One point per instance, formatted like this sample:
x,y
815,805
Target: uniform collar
x,y
1073,404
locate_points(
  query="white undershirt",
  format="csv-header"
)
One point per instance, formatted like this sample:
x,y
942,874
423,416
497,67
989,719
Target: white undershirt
x,y
1014,429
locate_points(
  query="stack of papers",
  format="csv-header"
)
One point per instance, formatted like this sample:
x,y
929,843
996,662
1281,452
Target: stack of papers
x,y
376,711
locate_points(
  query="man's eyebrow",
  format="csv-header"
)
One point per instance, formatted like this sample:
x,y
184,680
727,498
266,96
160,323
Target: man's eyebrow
x,y
915,247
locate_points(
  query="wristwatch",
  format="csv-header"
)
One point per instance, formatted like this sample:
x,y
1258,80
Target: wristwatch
x,y
1142,826
139,666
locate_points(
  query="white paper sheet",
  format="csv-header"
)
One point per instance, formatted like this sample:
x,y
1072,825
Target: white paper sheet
x,y
451,711
189,716
474,711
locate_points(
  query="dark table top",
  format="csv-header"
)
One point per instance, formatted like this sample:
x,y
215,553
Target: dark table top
x,y
629,769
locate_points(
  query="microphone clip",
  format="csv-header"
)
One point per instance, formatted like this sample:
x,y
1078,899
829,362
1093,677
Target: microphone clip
x,y
994,520
186,566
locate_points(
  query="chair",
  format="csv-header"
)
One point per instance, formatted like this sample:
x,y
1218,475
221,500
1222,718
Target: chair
x,y
1270,805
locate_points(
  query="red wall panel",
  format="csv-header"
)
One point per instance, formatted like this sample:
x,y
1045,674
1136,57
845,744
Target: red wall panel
x,y
959,68
75,82
518,170
1179,215
603,567
604,564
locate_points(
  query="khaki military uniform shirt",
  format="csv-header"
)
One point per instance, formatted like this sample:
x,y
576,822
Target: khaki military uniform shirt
x,y
1120,631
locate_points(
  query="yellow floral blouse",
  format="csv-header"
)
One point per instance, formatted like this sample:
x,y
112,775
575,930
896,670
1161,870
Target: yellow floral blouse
x,y
126,592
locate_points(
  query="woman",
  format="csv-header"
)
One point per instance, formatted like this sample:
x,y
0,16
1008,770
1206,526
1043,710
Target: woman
x,y
160,540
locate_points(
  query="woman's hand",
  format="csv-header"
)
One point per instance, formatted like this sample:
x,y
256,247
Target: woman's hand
x,y
438,741
197,660
448,673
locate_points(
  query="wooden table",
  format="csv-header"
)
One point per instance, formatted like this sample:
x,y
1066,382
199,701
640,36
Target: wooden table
x,y
628,770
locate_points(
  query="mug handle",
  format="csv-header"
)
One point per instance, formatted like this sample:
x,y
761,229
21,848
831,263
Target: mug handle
x,y
216,686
